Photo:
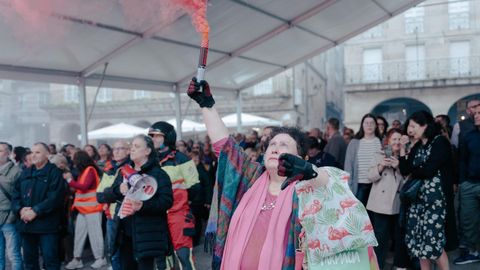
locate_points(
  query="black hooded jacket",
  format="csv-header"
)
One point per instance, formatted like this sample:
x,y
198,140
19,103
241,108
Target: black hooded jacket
x,y
148,227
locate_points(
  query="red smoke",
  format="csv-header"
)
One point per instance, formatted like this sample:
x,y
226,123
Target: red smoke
x,y
145,14
32,22
198,11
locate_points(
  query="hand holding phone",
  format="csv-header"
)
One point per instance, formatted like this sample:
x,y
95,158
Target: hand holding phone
x,y
388,151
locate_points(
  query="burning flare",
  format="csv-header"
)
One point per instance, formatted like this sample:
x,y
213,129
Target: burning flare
x,y
198,10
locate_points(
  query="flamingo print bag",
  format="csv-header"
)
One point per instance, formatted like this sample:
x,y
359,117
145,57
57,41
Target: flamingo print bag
x,y
337,231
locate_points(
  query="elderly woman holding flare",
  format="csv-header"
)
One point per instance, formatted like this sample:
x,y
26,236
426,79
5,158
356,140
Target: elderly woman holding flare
x,y
257,209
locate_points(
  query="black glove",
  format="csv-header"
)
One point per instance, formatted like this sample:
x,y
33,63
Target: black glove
x,y
294,168
204,97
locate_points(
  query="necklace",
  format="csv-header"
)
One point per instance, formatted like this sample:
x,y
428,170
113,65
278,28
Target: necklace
x,y
268,206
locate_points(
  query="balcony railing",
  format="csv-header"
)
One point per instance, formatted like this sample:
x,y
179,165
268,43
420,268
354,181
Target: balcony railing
x,y
401,71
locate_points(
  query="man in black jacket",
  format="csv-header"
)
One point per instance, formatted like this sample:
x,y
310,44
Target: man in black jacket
x,y
317,156
336,145
185,183
37,201
470,190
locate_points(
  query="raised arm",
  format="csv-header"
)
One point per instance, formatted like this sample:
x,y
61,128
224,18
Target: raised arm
x,y
200,92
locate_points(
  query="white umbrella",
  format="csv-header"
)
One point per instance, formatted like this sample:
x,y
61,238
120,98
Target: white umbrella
x,y
117,131
188,125
249,120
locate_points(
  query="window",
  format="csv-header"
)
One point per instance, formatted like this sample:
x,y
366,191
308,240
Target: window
x,y
141,94
373,32
458,14
21,101
263,88
414,20
415,62
43,98
104,95
460,58
70,94
372,65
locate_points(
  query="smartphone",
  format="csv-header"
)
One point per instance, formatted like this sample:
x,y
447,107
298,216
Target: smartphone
x,y
388,151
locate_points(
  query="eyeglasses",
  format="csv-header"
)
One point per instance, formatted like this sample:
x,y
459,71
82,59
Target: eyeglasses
x,y
119,148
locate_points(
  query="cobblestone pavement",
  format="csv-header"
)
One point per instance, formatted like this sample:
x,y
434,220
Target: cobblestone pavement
x,y
203,261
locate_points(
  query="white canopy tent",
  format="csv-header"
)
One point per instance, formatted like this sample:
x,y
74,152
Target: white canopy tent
x,y
249,41
117,131
188,125
249,120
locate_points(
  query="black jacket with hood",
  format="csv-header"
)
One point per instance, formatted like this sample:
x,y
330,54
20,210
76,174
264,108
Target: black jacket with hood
x,y
148,227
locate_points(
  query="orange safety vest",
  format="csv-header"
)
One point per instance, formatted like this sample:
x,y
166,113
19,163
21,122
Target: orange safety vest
x,y
86,201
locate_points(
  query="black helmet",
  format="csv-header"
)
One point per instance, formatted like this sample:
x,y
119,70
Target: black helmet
x,y
165,129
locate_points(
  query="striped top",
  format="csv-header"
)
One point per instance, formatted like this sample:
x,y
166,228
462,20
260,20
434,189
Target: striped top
x,y
367,150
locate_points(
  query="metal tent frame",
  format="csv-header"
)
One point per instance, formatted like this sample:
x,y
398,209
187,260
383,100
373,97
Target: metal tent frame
x,y
249,43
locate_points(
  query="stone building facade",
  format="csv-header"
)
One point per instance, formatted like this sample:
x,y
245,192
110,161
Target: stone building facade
x,y
426,58
303,96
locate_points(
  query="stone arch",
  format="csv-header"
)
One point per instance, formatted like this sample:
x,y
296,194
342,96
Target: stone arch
x,y
399,108
102,125
457,111
142,124
69,133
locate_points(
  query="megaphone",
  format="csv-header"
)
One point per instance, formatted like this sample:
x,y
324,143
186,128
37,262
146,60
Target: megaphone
x,y
142,187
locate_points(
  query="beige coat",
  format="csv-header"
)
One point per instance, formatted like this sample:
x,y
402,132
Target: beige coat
x,y
384,196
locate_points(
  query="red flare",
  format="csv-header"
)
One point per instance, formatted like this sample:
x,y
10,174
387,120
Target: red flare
x,y
198,11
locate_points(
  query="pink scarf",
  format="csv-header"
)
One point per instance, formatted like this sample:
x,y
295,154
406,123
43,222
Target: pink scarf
x,y
244,219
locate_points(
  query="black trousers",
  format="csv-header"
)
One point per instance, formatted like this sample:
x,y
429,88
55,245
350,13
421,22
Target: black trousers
x,y
127,259
386,229
47,243
363,192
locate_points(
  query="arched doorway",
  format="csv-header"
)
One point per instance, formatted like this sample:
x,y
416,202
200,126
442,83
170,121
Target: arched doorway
x,y
69,134
457,111
399,108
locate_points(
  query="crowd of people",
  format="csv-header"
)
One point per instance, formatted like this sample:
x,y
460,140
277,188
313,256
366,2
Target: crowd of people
x,y
51,201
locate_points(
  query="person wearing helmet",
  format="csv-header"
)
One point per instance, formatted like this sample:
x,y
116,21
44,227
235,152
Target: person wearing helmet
x,y
184,176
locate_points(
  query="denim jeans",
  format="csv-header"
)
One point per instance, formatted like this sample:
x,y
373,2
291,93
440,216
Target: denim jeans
x,y
469,213
115,258
48,244
10,239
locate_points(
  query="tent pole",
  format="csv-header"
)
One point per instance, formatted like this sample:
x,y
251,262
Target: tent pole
x,y
239,111
178,111
82,96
